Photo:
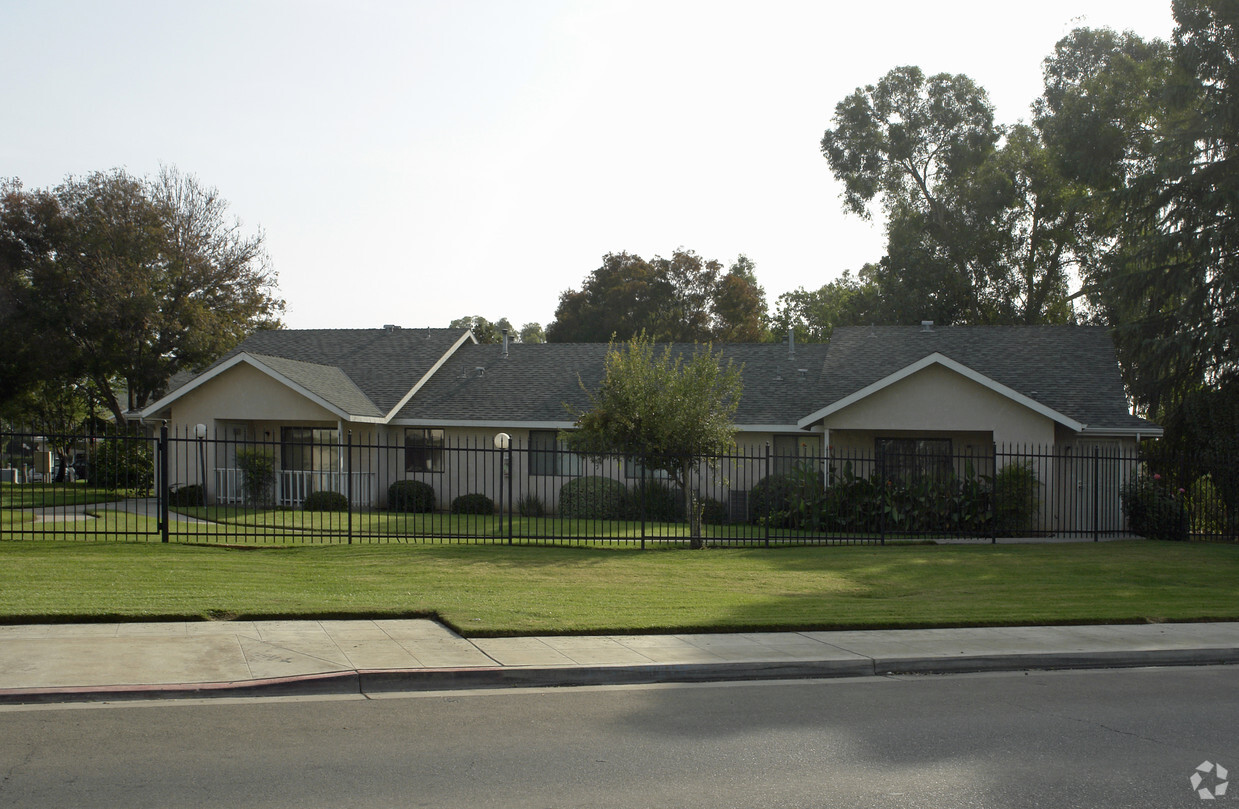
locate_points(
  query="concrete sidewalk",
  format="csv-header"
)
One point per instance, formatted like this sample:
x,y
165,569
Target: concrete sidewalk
x,y
75,662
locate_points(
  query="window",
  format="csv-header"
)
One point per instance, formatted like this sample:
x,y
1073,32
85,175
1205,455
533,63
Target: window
x,y
423,450
914,457
792,450
309,449
635,469
548,455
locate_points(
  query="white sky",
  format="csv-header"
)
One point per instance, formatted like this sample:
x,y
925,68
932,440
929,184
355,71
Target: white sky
x,y
414,162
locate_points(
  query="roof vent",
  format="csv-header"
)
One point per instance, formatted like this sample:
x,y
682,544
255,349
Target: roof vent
x,y
804,373
481,371
390,327
927,325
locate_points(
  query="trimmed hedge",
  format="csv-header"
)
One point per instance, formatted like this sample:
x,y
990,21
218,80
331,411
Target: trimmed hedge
x,y
787,501
654,501
1016,499
713,512
325,501
411,496
1153,509
190,495
592,498
473,504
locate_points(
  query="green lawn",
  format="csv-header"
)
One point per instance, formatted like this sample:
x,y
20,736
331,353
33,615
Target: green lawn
x,y
42,495
497,589
395,524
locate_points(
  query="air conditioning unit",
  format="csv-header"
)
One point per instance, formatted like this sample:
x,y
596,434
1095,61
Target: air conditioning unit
x,y
738,506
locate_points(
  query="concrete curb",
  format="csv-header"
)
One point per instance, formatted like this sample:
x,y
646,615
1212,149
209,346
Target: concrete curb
x,y
390,681
331,684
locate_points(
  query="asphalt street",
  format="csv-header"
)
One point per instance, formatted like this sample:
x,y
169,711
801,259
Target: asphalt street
x,y
1105,738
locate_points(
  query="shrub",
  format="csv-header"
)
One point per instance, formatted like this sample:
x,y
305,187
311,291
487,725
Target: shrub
x,y
473,504
124,463
191,495
411,496
1016,499
1152,508
655,501
257,467
793,500
1208,513
713,512
593,498
531,506
325,501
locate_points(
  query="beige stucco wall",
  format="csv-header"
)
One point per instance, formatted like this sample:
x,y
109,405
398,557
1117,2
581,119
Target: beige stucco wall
x,y
941,400
243,393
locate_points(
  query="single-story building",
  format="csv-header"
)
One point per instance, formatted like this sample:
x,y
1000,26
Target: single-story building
x,y
915,393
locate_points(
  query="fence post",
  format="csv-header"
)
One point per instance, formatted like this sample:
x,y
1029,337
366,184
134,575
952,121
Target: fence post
x,y
883,496
767,477
348,466
1096,492
507,469
644,490
163,482
993,504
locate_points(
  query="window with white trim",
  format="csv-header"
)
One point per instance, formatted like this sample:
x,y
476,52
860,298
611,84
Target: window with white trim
x,y
423,450
549,455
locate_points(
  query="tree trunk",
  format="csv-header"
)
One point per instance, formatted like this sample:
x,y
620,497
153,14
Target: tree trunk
x,y
696,541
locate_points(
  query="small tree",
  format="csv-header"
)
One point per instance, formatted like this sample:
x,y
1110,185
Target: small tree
x,y
257,467
663,410
124,462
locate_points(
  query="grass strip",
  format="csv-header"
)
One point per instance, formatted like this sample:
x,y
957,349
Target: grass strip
x,y
501,590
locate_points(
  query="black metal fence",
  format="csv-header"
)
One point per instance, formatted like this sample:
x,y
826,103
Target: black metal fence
x,y
314,487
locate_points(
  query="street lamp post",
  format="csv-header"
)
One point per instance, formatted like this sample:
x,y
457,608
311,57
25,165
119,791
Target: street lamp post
x,y
503,442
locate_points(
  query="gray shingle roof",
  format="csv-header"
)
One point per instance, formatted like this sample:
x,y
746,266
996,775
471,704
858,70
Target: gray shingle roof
x,y
381,364
327,382
366,372
533,383
1070,369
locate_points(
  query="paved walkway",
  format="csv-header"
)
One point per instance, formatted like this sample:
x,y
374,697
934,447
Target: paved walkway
x,y
72,662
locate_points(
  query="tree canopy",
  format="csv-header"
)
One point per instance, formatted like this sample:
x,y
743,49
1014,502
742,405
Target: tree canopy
x,y
685,298
980,227
125,282
488,332
812,315
661,409
1124,184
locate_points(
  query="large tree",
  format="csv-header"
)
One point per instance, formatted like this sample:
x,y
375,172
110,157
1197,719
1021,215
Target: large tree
x,y
980,227
684,298
126,281
487,332
663,409
813,315
1172,285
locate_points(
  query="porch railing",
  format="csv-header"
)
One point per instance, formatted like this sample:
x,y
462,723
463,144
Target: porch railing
x,y
293,486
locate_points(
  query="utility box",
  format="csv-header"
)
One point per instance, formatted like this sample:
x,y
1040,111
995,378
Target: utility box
x,y
43,462
10,476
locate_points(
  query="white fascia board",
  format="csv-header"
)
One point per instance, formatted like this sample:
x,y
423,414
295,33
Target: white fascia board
x,y
1151,431
563,425
486,424
959,368
404,400
250,360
